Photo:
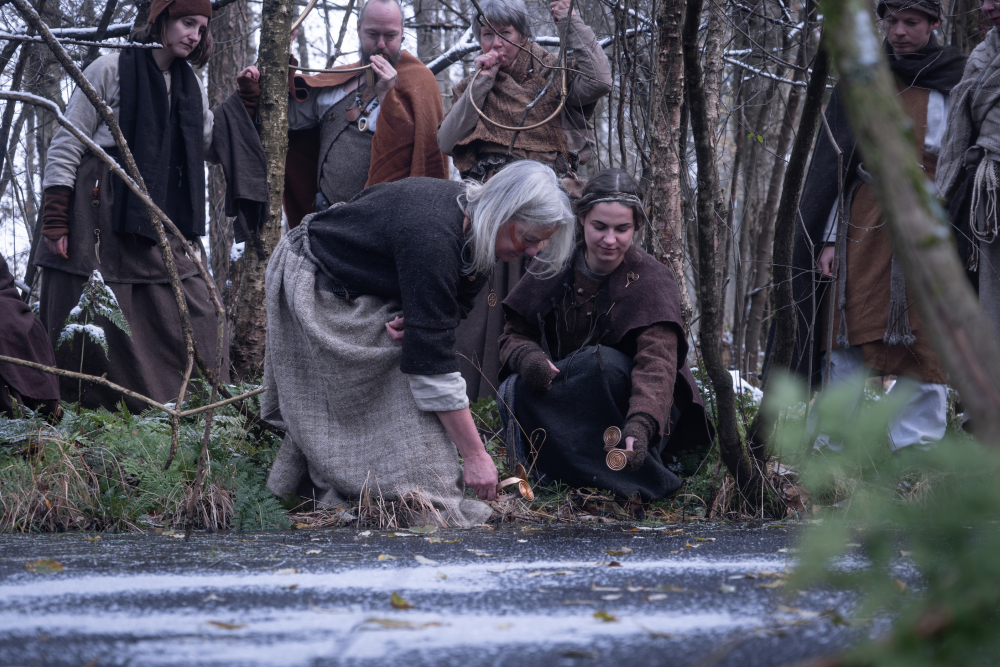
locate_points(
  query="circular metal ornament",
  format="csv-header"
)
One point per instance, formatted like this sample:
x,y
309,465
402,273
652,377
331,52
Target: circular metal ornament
x,y
612,436
616,459
492,298
520,472
525,490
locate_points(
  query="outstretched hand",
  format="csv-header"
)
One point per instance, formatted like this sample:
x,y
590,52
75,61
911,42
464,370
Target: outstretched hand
x,y
826,260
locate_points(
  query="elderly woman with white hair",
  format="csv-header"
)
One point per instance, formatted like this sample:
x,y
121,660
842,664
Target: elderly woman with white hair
x,y
371,407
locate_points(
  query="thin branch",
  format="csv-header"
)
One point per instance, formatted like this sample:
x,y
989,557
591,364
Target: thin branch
x,y
77,42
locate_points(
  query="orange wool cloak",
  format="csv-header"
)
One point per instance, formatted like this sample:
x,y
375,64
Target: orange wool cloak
x,y
404,143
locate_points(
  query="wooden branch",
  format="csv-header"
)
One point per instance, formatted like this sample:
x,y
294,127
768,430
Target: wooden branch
x,y
921,233
5,36
102,29
128,392
87,378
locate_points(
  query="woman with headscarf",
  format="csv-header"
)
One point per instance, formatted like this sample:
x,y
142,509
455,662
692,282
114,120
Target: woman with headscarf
x,y
371,408
91,221
598,393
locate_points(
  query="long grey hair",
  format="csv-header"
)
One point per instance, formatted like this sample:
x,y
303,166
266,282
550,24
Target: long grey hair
x,y
502,13
526,192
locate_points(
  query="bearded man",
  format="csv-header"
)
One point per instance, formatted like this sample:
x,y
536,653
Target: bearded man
x,y
347,134
875,330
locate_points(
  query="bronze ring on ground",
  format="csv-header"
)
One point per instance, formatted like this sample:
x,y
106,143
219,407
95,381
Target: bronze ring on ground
x,y
523,490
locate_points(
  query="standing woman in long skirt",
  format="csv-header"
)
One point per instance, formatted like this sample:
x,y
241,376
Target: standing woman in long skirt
x,y
92,221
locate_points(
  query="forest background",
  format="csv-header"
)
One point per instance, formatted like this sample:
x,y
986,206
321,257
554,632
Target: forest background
x,y
714,106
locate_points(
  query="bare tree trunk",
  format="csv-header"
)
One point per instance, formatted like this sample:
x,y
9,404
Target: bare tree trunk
x,y
709,211
921,234
229,31
667,208
250,326
783,345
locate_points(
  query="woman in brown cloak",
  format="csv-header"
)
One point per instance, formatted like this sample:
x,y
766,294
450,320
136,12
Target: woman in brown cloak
x,y
597,392
22,336
93,222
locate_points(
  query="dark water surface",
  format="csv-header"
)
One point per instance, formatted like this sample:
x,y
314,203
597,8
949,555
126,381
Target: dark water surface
x,y
516,595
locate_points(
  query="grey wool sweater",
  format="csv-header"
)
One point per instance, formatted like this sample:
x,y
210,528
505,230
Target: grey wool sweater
x,y
404,241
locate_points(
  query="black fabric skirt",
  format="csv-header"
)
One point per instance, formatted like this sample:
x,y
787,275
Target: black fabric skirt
x,y
559,435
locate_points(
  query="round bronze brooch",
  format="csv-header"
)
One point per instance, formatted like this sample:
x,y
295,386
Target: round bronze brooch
x,y
616,459
612,436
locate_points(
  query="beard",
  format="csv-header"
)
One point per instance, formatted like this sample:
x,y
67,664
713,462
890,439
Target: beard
x,y
366,56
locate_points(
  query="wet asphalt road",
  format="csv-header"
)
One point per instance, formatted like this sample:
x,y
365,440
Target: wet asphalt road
x,y
515,595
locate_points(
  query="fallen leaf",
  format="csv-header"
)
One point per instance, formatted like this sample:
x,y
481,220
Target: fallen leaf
x,y
290,588
905,554
688,545
900,585
423,560
315,539
327,611
533,573
402,535
604,616
288,570
498,570
679,531
398,602
531,530
503,626
726,588
423,530
612,596
438,540
579,654
95,538
212,596
778,583
634,589
655,597
481,554
522,541
655,634
44,566
300,526
386,557
620,551
565,572
595,587
365,533
442,575
226,626
313,551
614,563
677,551
704,539
804,613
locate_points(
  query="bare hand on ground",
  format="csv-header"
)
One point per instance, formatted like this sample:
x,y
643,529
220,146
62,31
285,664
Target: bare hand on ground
x,y
481,476
826,260
559,10
250,72
58,247
490,62
387,76
395,329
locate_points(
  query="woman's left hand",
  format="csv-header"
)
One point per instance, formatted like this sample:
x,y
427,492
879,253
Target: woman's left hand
x,y
395,329
251,73
559,10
